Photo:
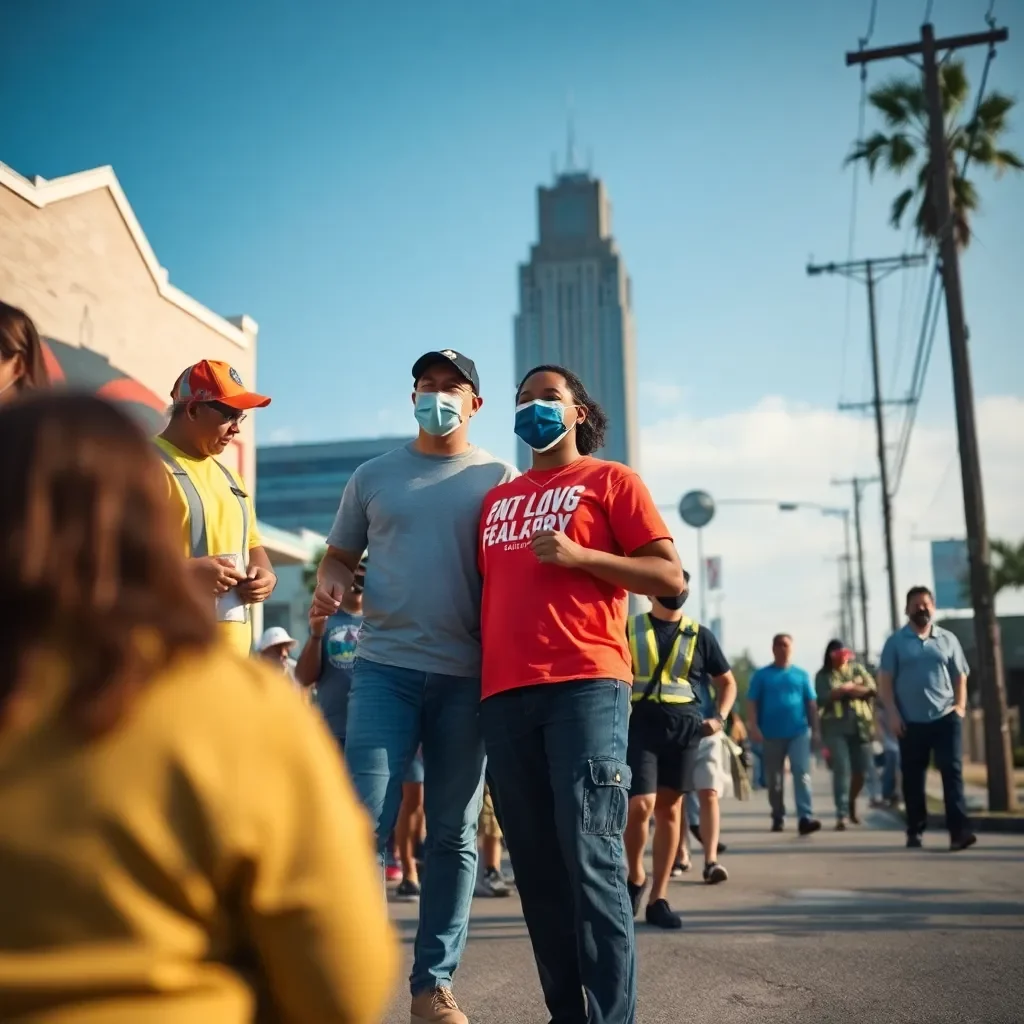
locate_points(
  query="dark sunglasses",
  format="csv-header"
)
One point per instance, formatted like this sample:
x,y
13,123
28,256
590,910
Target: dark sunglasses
x,y
229,415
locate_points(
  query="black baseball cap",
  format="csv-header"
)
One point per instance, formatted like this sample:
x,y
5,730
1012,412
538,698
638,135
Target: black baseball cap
x,y
462,363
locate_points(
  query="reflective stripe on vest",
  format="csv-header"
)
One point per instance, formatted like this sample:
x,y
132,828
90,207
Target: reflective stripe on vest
x,y
198,545
674,686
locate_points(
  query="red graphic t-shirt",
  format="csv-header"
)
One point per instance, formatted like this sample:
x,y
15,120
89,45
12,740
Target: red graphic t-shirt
x,y
545,623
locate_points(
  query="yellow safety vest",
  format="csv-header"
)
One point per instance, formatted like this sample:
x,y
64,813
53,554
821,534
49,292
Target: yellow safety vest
x,y
674,685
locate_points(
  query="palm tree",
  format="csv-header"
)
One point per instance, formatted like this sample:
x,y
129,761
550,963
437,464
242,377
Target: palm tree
x,y
904,108
1008,570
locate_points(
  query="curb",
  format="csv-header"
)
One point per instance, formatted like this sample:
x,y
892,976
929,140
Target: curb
x,y
981,822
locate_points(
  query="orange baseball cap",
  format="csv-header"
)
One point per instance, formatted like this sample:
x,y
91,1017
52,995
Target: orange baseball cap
x,y
214,381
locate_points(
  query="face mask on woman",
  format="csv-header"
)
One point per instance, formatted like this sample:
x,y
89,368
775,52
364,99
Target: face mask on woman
x,y
541,424
437,413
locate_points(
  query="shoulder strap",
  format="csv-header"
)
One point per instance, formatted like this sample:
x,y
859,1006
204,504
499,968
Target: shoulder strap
x,y
655,681
196,516
241,496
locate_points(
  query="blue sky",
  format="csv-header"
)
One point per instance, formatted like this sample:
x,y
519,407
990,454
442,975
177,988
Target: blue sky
x,y
360,178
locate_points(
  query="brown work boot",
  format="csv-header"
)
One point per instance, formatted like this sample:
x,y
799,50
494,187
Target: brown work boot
x,y
436,1007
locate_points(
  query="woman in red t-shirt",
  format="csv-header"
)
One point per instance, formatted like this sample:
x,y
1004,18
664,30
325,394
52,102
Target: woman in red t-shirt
x,y
560,549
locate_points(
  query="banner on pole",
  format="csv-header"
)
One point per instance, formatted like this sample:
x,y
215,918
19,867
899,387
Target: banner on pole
x,y
949,571
713,569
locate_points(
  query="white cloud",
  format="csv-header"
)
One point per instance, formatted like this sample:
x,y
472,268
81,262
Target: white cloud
x,y
661,393
777,572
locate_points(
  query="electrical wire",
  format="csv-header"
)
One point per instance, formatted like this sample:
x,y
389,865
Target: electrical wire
x,y
851,236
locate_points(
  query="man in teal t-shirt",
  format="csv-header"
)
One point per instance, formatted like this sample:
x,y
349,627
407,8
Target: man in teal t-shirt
x,y
782,712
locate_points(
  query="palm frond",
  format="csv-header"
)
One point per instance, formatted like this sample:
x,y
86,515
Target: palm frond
x,y
992,111
899,206
900,153
1004,160
870,150
954,87
899,101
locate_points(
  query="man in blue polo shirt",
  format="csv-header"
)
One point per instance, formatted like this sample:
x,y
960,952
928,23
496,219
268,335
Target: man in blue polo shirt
x,y
922,684
782,713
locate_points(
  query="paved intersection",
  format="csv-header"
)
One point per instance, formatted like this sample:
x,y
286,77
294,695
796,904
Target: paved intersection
x,y
841,927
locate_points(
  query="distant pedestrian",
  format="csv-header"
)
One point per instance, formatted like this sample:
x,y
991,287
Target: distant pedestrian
x,y
275,647
22,368
844,690
782,714
923,683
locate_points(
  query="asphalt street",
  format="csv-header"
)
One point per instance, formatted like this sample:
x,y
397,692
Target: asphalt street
x,y
837,927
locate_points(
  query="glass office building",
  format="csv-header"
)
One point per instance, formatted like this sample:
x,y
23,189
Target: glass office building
x,y
299,485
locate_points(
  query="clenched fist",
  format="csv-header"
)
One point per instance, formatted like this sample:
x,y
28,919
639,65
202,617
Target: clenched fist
x,y
554,548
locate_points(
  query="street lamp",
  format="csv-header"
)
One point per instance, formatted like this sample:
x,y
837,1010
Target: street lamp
x,y
697,509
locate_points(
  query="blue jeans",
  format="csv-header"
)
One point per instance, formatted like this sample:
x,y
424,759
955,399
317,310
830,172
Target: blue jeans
x,y
557,755
798,750
944,739
392,711
890,773
692,804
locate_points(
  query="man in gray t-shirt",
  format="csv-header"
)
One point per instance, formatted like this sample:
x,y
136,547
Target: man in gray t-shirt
x,y
416,677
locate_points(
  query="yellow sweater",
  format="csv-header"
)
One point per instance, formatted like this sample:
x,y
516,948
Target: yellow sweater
x,y
204,862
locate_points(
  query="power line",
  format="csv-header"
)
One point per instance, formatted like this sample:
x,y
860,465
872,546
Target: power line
x,y
861,120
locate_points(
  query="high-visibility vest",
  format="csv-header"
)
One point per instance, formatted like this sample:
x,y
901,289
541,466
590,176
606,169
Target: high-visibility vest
x,y
674,685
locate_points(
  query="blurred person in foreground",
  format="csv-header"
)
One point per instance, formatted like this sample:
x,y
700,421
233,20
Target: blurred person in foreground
x,y
782,714
22,368
561,548
922,679
173,824
845,689
216,516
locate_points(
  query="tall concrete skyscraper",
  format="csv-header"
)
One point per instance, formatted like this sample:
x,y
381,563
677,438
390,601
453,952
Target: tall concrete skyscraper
x,y
575,306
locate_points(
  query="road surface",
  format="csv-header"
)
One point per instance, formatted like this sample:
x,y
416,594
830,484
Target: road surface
x,y
840,927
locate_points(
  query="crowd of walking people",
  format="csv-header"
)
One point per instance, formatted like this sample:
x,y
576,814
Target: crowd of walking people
x,y
178,837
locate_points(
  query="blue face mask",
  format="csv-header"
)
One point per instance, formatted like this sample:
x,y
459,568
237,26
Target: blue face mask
x,y
541,424
437,413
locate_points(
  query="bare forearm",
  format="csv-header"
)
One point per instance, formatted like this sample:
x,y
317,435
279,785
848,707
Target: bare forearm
x,y
650,575
812,717
726,690
337,568
309,665
885,689
751,715
960,692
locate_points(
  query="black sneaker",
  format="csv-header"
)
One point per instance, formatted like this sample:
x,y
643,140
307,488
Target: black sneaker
x,y
778,825
680,867
715,873
660,914
407,891
840,824
491,883
963,841
913,841
636,894
809,825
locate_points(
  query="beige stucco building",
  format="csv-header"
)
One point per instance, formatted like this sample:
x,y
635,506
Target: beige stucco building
x,y
75,258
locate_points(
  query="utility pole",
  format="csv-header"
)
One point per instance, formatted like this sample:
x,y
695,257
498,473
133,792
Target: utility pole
x,y
859,483
1002,793
871,272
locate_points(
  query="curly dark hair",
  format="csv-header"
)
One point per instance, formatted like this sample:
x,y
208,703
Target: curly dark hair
x,y
589,433
91,567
